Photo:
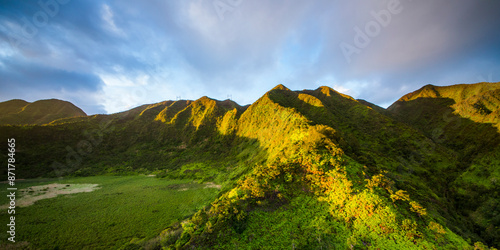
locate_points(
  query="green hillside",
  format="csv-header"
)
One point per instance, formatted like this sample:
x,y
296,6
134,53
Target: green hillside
x,y
478,102
19,112
300,169
12,106
465,119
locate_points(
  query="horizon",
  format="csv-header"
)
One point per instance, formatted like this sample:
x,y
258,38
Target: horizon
x,y
121,55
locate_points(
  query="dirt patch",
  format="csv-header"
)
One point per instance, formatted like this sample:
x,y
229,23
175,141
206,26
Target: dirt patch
x,y
212,185
28,196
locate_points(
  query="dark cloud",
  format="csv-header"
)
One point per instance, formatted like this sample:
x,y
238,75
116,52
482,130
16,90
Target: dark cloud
x,y
34,76
33,82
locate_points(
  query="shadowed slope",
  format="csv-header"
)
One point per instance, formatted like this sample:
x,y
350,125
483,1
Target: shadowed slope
x,y
12,106
464,118
479,102
160,136
39,112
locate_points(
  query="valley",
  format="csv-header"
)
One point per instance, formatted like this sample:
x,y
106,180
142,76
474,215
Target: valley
x,y
124,210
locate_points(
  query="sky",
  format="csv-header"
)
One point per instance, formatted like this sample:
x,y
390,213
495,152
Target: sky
x,y
109,56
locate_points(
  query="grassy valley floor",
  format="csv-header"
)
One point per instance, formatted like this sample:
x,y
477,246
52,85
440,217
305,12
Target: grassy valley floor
x,y
122,210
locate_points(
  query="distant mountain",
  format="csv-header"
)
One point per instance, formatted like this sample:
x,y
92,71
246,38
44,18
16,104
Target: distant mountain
x,y
12,106
301,169
19,112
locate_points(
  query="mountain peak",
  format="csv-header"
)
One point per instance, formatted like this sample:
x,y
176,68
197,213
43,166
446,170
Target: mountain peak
x,y
204,100
18,112
326,90
12,106
280,87
458,92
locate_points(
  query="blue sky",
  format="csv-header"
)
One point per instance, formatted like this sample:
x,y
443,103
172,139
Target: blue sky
x,y
110,56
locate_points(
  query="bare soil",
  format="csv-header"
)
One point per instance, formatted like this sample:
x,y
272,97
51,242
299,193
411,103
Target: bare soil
x,y
28,196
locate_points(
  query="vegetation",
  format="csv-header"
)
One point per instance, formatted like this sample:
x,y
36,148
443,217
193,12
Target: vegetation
x,y
463,118
19,112
124,212
299,169
354,209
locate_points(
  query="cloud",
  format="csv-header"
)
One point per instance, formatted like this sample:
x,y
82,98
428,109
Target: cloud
x,y
126,53
33,82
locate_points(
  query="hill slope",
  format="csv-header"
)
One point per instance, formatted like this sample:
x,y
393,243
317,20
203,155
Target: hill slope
x,y
479,102
19,112
464,118
306,169
313,179
12,106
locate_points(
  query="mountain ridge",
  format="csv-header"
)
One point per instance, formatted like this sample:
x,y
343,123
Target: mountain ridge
x,y
458,92
374,177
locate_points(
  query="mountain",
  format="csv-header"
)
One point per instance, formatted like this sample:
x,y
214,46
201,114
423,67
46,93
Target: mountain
x,y
338,175
465,119
301,169
478,102
19,112
12,106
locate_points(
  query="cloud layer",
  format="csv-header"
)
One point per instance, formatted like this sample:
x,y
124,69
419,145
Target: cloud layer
x,y
108,56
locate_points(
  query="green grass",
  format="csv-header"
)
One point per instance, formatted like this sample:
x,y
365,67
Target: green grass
x,y
125,209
